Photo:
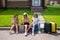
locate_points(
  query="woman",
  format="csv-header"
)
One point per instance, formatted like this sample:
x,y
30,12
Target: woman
x,y
14,23
25,21
34,23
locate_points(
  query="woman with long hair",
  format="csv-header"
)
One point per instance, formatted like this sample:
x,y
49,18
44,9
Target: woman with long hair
x,y
14,23
25,21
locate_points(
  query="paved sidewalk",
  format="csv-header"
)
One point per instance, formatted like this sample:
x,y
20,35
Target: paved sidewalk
x,y
4,35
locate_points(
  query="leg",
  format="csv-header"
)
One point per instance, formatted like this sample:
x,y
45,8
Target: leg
x,y
25,29
11,28
16,28
39,28
30,26
33,28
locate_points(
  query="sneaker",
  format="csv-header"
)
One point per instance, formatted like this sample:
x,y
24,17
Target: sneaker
x,y
25,34
10,32
17,32
33,34
39,32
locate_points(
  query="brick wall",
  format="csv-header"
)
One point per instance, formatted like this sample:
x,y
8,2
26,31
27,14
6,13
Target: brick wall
x,y
58,1
46,2
18,4
0,2
17,0
36,9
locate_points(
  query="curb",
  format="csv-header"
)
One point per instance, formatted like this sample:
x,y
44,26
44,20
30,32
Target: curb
x,y
58,28
8,28
4,28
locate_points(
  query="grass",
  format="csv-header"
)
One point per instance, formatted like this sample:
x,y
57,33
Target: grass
x,y
52,14
7,15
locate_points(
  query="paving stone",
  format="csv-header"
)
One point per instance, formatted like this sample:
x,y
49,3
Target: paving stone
x,y
4,35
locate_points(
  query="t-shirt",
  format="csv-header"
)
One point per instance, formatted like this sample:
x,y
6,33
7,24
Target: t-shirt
x,y
35,20
13,20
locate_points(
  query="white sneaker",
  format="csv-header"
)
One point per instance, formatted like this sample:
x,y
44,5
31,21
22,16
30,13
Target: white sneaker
x,y
33,34
10,32
25,34
16,32
39,32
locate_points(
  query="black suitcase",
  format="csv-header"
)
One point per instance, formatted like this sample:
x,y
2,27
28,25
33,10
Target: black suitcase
x,y
47,27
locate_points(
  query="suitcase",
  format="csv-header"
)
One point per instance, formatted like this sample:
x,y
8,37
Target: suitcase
x,y
47,27
53,27
21,28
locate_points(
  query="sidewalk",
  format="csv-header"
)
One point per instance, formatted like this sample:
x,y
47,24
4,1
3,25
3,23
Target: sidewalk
x,y
4,35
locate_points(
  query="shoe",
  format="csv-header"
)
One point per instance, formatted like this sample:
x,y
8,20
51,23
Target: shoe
x,y
10,32
39,32
25,34
16,32
33,34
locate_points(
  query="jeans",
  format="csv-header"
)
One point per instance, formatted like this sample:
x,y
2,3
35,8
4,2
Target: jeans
x,y
34,26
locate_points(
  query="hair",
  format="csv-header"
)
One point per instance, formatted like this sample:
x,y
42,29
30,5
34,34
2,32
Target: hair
x,y
36,15
25,14
15,15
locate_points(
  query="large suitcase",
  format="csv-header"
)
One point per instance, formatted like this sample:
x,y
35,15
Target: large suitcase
x,y
53,27
47,27
21,28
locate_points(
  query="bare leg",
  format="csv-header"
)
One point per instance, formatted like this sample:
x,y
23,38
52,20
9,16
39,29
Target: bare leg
x,y
25,30
16,28
30,26
33,28
11,28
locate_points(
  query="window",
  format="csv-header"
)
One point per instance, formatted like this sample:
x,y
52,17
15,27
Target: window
x,y
36,2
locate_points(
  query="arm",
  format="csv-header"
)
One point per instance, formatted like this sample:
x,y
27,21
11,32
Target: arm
x,y
23,21
15,20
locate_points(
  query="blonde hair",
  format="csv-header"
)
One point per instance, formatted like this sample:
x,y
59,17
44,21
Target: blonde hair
x,y
25,15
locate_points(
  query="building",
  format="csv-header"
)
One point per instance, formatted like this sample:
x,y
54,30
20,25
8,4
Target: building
x,y
35,5
0,2
58,1
54,1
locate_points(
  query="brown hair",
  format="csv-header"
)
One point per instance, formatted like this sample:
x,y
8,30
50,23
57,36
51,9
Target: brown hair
x,y
36,15
15,15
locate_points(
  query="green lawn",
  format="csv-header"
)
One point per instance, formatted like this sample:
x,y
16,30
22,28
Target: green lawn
x,y
52,14
7,15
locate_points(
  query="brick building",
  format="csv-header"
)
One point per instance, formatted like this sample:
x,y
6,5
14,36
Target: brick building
x,y
55,1
35,5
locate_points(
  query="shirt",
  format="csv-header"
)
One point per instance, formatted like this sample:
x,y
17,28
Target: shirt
x,y
35,20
